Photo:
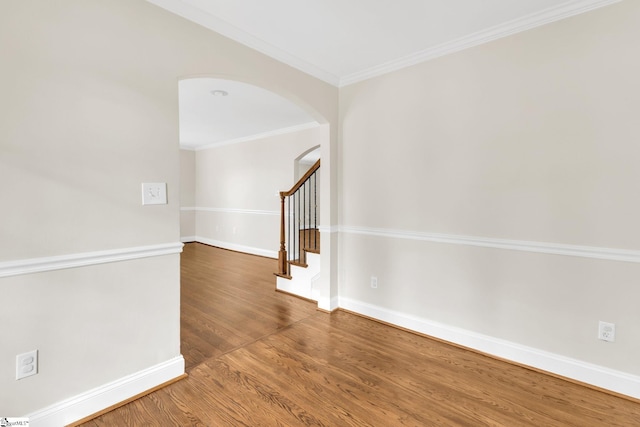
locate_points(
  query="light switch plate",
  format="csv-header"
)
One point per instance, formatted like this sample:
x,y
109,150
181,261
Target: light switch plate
x,y
154,193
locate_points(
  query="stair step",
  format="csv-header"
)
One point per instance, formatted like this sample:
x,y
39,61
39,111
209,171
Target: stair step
x,y
301,280
309,241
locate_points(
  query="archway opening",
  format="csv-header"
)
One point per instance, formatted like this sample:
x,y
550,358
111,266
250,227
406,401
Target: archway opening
x,y
241,145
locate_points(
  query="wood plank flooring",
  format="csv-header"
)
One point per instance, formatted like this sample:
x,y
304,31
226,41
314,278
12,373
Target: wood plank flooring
x,y
256,357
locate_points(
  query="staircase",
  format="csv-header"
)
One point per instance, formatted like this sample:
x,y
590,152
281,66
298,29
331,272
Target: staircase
x,y
299,255
308,242
303,280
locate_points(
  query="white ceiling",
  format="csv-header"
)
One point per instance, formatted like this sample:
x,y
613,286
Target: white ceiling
x,y
345,41
246,112
340,42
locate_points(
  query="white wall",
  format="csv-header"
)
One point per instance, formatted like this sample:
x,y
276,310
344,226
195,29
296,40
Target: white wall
x,y
529,138
89,111
237,190
187,195
533,137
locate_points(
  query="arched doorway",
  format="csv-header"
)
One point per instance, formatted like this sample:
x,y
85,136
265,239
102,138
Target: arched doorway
x,y
235,140
305,161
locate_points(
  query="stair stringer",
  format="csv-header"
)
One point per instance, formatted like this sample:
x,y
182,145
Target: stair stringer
x,y
302,279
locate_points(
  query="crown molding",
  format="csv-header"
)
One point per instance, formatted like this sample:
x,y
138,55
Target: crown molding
x,y
555,13
201,17
547,16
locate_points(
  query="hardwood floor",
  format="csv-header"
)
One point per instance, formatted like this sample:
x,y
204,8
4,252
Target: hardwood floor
x,y
256,357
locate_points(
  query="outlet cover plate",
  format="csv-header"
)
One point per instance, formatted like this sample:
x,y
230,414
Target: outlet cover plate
x,y
607,331
26,364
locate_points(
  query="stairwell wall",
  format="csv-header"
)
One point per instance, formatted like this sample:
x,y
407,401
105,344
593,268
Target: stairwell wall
x,y
237,202
187,195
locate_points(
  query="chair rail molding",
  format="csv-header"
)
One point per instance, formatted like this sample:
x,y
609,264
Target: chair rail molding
x,y
611,254
38,265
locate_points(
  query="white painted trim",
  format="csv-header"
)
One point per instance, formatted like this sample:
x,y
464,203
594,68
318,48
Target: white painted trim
x,y
235,247
231,210
609,379
329,304
552,14
220,26
610,254
98,399
188,239
37,265
282,131
300,283
328,228
547,16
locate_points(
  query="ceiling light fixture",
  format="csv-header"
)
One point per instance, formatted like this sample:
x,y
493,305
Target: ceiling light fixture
x,y
219,92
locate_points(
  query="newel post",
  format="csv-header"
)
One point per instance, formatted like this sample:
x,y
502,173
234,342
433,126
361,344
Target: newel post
x,y
282,255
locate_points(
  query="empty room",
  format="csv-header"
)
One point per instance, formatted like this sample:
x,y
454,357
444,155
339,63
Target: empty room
x,y
319,213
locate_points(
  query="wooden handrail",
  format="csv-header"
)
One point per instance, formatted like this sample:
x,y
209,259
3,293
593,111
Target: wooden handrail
x,y
302,180
283,262
282,253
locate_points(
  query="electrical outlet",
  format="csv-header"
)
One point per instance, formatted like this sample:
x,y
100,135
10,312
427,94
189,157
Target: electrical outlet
x,y
374,282
26,364
607,331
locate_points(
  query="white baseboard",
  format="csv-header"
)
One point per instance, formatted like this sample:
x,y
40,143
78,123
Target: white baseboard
x,y
188,239
330,304
108,395
235,247
605,378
